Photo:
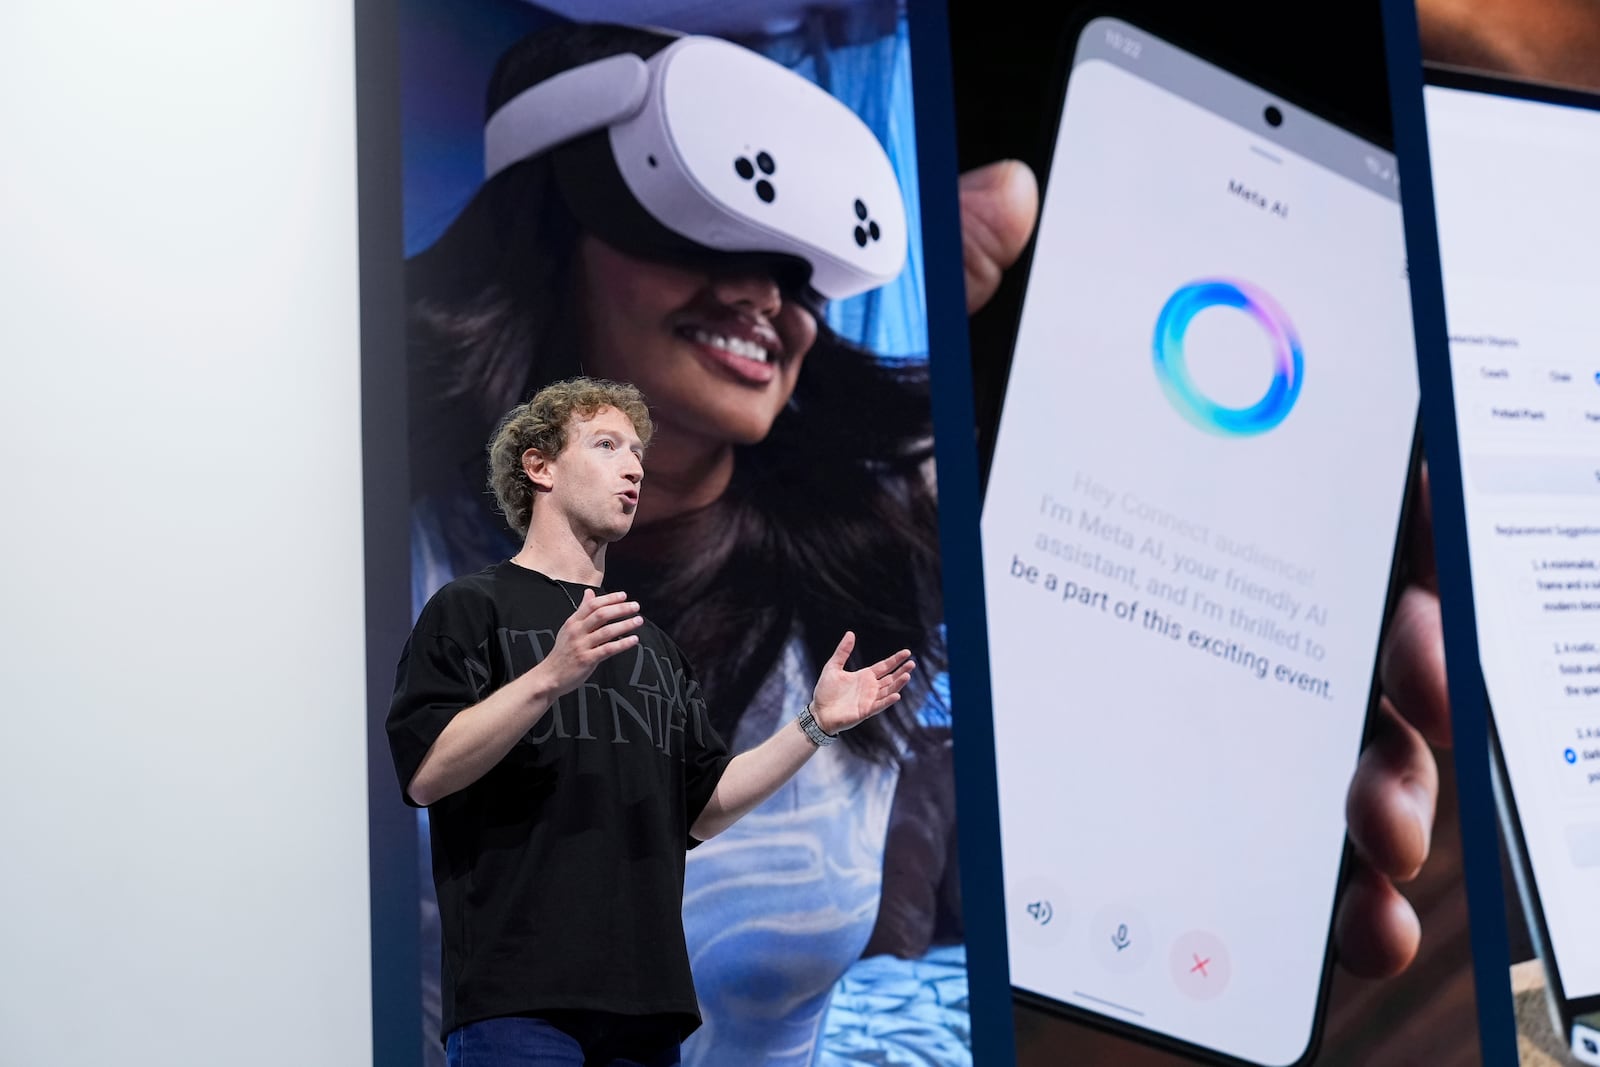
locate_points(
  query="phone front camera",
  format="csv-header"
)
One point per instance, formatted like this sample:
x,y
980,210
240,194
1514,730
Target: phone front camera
x,y
1273,116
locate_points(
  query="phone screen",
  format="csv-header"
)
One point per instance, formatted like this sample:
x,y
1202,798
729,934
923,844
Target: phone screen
x,y
1188,532
1519,225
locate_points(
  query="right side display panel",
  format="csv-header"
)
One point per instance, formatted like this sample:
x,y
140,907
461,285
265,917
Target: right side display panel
x,y
1513,180
1510,104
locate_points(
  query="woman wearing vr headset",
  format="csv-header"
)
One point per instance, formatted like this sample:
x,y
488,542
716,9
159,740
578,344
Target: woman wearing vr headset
x,y
789,498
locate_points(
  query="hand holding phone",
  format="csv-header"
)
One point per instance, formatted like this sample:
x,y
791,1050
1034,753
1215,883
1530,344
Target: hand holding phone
x,y
1189,534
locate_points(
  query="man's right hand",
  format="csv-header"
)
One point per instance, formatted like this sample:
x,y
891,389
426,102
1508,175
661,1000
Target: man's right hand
x,y
480,736
601,627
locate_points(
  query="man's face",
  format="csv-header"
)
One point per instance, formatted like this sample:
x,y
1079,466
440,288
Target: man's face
x,y
594,481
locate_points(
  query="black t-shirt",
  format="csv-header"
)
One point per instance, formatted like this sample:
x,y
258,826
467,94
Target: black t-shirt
x,y
560,871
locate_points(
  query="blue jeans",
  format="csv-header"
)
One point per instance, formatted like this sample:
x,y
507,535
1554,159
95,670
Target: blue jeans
x,y
582,1040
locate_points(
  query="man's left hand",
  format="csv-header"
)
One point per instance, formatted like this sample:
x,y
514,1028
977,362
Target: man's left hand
x,y
844,698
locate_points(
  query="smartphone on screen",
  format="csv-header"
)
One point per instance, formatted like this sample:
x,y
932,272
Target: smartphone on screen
x,y
1514,167
1192,498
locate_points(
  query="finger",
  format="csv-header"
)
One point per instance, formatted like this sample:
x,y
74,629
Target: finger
x,y
1392,798
883,702
847,645
891,664
1411,668
621,644
611,613
999,205
1376,932
1421,565
900,677
616,630
894,685
591,603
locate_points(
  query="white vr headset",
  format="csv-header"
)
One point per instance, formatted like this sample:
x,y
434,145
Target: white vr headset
x,y
725,149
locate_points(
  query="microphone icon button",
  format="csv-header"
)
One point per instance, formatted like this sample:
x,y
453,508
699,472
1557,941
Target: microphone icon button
x,y
1121,940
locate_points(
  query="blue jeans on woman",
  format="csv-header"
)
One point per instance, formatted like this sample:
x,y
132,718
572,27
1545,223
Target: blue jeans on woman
x,y
562,1039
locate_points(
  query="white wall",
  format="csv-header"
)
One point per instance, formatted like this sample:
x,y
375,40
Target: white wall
x,y
183,859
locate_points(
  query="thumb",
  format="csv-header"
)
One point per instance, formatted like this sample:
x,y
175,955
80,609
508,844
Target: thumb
x,y
999,206
847,645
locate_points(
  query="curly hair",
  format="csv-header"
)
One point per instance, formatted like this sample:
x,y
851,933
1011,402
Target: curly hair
x,y
542,423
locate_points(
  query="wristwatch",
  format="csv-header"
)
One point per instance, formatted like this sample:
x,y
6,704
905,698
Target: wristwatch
x,y
818,735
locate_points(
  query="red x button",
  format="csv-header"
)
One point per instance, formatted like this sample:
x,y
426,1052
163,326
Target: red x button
x,y
1200,965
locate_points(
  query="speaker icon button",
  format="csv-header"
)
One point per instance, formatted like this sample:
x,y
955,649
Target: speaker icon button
x,y
1038,912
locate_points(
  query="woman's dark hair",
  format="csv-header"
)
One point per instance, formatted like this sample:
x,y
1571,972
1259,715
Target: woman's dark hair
x,y
829,524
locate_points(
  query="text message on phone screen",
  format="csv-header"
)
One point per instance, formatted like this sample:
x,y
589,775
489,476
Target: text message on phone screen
x,y
1519,232
1188,533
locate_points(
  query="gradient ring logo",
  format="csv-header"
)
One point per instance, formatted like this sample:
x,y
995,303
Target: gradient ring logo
x,y
1173,371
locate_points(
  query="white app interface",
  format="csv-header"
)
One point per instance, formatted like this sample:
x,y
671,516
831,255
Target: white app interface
x,y
1519,233
1187,539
